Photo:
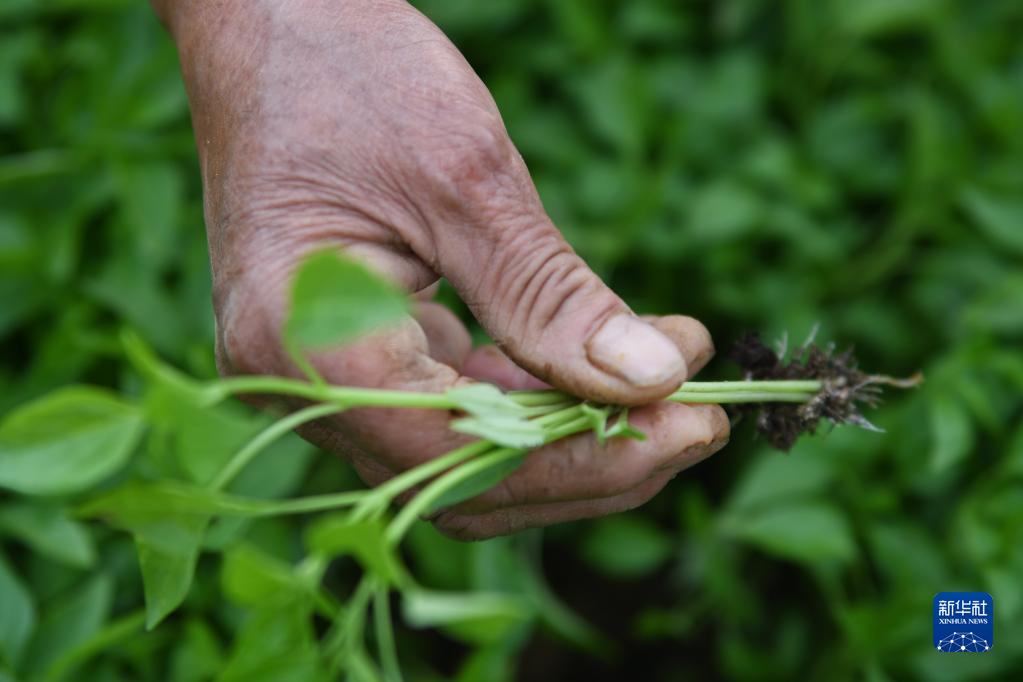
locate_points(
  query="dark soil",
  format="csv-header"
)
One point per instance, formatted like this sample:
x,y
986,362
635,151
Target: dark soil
x,y
846,388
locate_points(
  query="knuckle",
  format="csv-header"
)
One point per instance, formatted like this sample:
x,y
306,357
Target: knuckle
x,y
542,276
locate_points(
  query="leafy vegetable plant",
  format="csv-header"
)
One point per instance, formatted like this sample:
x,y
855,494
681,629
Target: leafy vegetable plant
x,y
72,439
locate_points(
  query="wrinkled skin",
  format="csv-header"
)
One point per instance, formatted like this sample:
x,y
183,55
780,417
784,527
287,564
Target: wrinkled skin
x,y
358,125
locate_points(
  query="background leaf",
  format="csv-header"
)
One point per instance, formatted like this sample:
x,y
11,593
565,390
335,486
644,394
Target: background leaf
x,y
809,532
67,441
17,616
253,578
338,535
68,620
48,529
626,546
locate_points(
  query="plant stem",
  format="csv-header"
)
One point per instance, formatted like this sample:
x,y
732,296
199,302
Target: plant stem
x,y
558,413
540,397
346,635
384,630
567,425
382,495
268,435
304,505
433,492
542,401
729,397
775,386
340,395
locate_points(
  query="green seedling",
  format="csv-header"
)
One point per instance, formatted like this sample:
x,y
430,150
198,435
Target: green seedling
x,y
67,441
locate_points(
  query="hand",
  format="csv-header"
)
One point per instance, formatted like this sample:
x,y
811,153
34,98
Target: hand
x,y
358,125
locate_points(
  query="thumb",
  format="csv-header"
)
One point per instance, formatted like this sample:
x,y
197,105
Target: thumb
x,y
554,317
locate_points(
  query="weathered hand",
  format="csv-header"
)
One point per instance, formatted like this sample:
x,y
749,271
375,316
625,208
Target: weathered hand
x,y
358,125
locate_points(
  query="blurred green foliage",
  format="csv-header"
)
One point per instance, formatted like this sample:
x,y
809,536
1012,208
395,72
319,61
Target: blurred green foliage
x,y
763,165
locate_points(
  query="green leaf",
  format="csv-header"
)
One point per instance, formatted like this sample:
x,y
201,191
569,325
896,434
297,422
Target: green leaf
x,y
626,546
197,654
773,476
337,535
866,18
810,532
68,621
168,551
476,617
907,554
476,484
48,530
1014,454
191,433
553,612
275,645
168,522
484,399
137,500
952,433
199,438
67,441
253,578
507,430
150,195
278,472
999,218
17,616
335,299
133,501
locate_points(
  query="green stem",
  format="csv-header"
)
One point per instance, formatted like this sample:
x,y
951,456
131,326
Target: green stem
x,y
382,496
433,492
775,386
304,505
347,639
385,635
729,397
268,435
569,428
302,362
540,402
341,395
541,397
562,416
379,499
541,410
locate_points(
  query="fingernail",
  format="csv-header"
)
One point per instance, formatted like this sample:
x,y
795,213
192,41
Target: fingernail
x,y
634,351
